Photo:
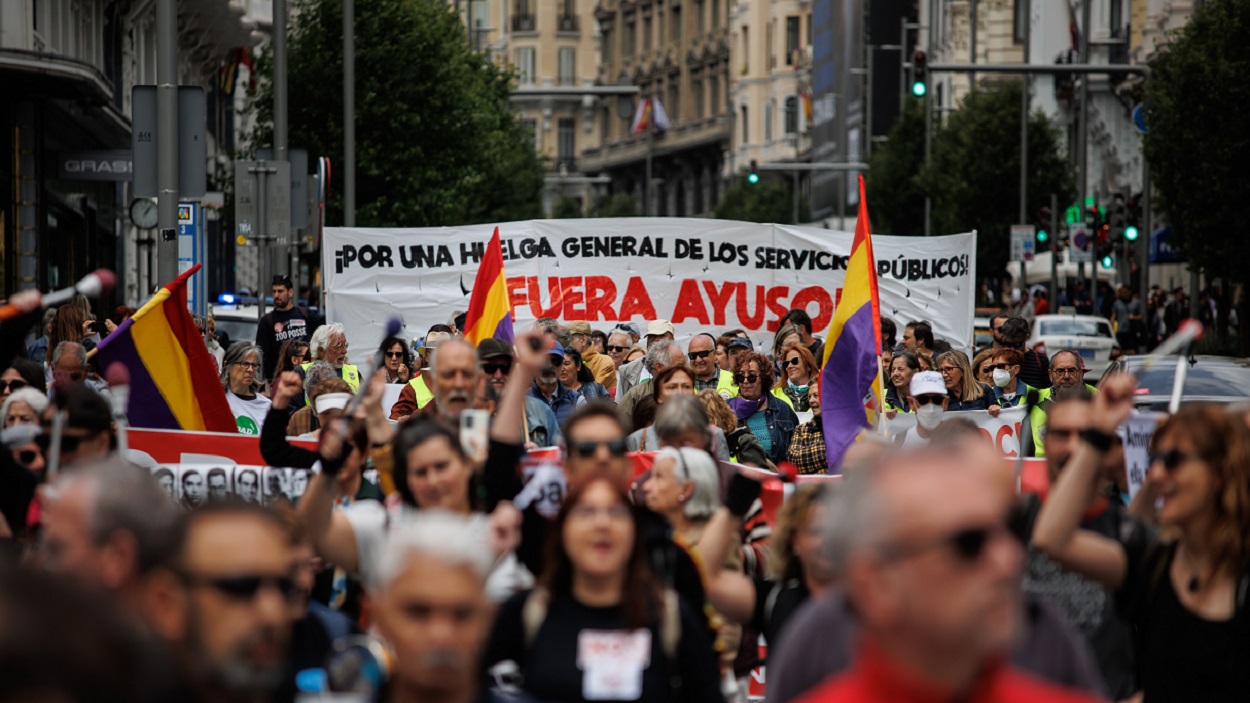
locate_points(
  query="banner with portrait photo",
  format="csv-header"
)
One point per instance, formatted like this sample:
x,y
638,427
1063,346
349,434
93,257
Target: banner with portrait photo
x,y
703,275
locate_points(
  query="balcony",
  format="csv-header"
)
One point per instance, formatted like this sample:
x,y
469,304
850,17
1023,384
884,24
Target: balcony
x,y
567,24
523,22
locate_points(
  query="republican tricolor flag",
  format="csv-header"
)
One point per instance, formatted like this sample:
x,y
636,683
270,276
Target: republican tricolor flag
x,y
490,310
173,382
852,363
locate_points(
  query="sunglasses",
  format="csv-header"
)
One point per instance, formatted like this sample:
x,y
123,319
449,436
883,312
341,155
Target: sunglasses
x,y
1171,459
967,544
793,362
1003,366
699,355
395,355
13,385
491,369
614,348
926,399
586,450
740,379
244,587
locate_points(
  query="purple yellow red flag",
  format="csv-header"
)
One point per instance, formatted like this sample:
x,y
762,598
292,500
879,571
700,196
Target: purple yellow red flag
x,y
173,380
490,310
851,367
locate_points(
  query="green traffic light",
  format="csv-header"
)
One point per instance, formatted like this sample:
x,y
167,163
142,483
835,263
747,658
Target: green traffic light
x,y
1108,262
1131,233
1042,236
919,88
753,178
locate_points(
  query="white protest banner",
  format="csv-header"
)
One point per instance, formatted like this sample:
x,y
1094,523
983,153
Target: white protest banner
x,y
1003,431
1136,433
703,275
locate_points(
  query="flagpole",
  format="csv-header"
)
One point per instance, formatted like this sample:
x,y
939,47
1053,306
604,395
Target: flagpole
x,y
881,395
646,198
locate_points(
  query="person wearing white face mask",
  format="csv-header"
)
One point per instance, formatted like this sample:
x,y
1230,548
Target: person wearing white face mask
x,y
928,401
1009,389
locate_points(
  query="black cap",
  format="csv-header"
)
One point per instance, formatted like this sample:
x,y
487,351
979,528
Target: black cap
x,y
490,348
740,343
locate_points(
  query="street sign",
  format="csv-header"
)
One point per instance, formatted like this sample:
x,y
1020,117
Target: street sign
x,y
1023,242
192,149
1081,249
1139,118
299,183
274,222
191,248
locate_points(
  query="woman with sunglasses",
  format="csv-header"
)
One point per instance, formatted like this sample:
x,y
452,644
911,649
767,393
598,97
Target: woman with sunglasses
x,y
600,625
962,388
902,367
1184,589
769,418
398,360
983,365
239,377
576,376
22,373
799,372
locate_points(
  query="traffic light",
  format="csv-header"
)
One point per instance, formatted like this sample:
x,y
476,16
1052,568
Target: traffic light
x,y
1132,217
1117,217
919,74
1042,228
1131,233
1107,261
753,175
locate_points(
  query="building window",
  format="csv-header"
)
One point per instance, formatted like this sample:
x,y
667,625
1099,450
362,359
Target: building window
x,y
605,124
673,108
646,33
746,50
629,40
526,68
715,14
659,23
809,29
713,97
568,66
696,87
677,25
768,122
566,142
698,17
792,114
769,58
531,129
746,131
1020,19
792,39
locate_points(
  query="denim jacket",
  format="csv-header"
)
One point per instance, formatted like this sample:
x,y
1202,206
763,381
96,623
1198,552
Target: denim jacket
x,y
781,422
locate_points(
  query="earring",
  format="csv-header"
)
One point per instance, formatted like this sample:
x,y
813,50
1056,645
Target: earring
x,y
681,499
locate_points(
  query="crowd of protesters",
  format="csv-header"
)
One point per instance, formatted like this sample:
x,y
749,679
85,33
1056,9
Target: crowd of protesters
x,y
411,567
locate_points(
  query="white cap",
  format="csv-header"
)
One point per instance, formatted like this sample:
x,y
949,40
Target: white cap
x,y
927,383
659,327
328,401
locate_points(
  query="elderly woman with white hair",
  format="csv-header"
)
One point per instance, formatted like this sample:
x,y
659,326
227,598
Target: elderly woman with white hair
x,y
24,406
684,487
240,376
329,344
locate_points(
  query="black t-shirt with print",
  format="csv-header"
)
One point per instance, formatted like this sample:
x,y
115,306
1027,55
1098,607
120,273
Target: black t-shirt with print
x,y
558,665
275,328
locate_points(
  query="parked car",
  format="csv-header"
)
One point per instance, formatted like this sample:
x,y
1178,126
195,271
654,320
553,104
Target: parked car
x,y
1088,335
1216,379
235,322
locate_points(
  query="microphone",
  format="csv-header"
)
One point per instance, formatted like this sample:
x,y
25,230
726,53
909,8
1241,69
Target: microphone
x,y
118,377
93,285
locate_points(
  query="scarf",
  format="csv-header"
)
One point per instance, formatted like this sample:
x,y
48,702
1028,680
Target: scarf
x,y
744,408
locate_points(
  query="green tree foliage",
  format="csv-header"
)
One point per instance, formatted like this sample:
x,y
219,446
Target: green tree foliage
x,y
766,201
974,174
1198,145
895,194
436,140
566,208
619,205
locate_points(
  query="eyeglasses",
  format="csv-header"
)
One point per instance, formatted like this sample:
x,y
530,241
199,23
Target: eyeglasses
x,y
750,378
1172,459
13,385
699,355
585,450
340,345
793,362
247,365
1067,372
614,348
587,513
967,544
947,370
926,399
244,587
395,355
490,369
